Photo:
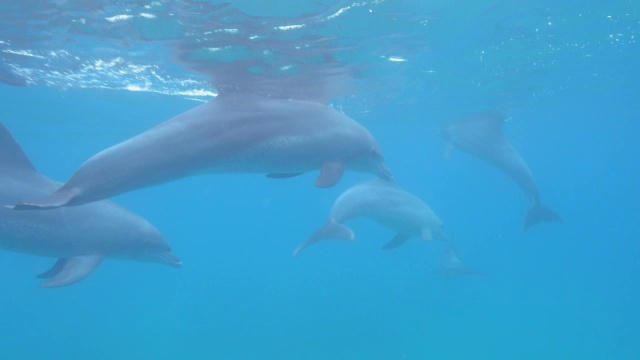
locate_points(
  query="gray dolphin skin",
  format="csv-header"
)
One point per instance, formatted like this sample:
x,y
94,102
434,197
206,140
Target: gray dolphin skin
x,y
81,237
386,204
235,133
481,135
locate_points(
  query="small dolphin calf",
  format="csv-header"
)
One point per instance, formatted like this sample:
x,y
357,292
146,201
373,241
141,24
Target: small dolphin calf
x,y
481,135
384,203
232,134
80,237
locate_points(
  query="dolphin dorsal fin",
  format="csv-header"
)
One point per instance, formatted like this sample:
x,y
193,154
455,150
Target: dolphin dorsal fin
x,y
12,158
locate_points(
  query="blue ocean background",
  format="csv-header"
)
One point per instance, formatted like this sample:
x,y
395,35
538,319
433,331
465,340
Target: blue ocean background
x,y
566,75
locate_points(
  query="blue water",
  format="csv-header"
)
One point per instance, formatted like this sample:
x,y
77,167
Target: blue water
x,y
566,76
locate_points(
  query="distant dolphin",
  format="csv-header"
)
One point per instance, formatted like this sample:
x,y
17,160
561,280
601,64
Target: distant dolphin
x,y
81,237
231,134
451,265
481,135
384,203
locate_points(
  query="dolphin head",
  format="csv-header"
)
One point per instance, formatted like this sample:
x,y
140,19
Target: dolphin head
x,y
150,245
373,162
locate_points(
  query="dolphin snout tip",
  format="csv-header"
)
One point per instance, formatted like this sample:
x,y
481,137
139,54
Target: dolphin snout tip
x,y
169,259
174,264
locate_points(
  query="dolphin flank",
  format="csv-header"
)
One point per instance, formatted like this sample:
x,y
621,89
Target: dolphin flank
x,y
81,237
235,133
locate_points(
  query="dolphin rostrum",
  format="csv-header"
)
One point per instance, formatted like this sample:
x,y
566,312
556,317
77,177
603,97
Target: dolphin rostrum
x,y
235,133
481,135
385,203
81,237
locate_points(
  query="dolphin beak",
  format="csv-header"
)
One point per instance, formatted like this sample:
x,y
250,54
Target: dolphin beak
x,y
169,259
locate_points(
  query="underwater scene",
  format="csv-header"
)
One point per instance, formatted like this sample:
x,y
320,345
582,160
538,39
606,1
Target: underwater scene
x,y
387,179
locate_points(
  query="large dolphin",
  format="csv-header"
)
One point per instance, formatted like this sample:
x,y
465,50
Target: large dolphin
x,y
385,203
81,237
235,133
481,135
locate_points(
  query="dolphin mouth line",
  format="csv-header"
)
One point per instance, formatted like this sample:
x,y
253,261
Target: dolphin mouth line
x,y
169,259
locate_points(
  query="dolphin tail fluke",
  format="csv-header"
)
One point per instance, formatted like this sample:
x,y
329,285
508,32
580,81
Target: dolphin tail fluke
x,y
70,271
538,214
58,199
331,230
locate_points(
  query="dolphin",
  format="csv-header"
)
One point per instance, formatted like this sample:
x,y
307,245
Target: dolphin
x,y
481,135
385,203
81,237
451,265
235,133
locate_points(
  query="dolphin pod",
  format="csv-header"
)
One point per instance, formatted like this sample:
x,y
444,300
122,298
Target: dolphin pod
x,y
481,135
385,203
81,237
235,133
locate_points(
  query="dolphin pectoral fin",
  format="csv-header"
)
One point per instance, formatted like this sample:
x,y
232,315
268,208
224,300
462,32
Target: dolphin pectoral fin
x,y
57,267
397,240
331,230
58,199
330,173
72,270
426,235
283,176
539,213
